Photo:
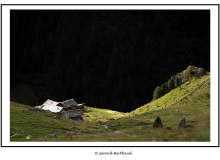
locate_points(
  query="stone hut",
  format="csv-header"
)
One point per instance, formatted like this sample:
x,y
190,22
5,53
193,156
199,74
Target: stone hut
x,y
72,110
69,108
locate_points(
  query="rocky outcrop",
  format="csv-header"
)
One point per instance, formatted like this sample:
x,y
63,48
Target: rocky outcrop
x,y
199,72
190,71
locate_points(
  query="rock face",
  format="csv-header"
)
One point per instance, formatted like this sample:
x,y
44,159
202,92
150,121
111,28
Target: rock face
x,y
158,123
183,122
200,72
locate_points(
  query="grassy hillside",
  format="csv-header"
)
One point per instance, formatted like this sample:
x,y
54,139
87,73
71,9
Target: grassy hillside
x,y
179,95
191,99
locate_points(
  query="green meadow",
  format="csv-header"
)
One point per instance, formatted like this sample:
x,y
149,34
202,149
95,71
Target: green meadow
x,y
191,99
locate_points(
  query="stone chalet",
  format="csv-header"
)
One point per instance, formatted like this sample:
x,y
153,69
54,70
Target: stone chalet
x,y
69,108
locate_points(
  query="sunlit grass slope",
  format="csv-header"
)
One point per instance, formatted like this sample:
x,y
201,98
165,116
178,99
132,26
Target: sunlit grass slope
x,y
176,95
101,115
102,125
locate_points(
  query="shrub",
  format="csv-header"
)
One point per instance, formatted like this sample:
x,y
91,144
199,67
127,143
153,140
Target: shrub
x,y
164,88
190,72
157,123
157,93
171,84
176,81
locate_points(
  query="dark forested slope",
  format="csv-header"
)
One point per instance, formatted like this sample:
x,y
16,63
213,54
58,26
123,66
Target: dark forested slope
x,y
106,58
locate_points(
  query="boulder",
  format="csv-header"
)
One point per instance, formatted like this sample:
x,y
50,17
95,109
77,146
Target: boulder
x,y
52,135
54,117
183,122
70,133
199,72
16,135
29,137
105,125
142,127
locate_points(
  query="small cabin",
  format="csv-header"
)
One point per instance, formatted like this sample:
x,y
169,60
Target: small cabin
x,y
69,108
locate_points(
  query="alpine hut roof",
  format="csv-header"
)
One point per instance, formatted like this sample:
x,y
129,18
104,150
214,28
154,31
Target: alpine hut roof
x,y
69,108
52,108
50,102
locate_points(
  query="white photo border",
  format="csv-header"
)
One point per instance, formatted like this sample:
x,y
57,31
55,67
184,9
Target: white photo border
x,y
214,51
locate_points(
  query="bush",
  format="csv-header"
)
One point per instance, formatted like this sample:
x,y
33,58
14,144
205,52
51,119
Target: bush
x,y
164,88
157,93
157,123
171,84
176,81
190,72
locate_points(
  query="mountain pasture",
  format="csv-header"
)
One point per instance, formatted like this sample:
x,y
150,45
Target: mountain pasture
x,y
102,125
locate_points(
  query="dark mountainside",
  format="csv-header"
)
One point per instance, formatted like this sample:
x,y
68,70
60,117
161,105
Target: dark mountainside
x,y
107,59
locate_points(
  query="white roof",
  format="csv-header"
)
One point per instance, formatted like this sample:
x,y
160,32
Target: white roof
x,y
52,108
50,102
